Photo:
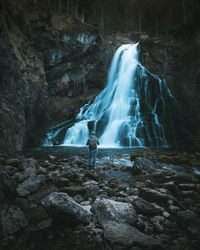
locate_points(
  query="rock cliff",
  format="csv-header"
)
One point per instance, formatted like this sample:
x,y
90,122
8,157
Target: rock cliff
x,y
49,68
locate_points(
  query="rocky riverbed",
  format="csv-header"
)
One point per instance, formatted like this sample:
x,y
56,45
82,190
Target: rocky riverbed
x,y
136,202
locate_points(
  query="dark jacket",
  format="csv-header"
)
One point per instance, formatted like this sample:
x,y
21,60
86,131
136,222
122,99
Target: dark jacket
x,y
92,142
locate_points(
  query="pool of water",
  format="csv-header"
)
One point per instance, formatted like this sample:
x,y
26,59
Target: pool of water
x,y
71,152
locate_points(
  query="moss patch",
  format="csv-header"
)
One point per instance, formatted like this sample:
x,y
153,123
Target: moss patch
x,y
113,182
3,24
168,156
196,140
61,23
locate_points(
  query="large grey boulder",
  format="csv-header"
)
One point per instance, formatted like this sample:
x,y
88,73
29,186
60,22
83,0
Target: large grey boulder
x,y
155,196
30,185
30,167
142,166
127,236
63,209
186,218
147,208
12,220
7,186
106,209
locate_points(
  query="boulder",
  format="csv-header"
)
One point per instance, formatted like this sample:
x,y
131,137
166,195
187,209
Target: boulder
x,y
74,190
30,167
12,220
157,221
147,208
142,166
7,185
63,209
127,236
186,218
14,162
110,210
155,196
30,185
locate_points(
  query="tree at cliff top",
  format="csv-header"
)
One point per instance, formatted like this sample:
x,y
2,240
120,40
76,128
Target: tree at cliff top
x,y
153,16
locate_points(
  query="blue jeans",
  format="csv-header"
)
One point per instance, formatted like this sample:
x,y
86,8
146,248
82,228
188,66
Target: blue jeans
x,y
92,157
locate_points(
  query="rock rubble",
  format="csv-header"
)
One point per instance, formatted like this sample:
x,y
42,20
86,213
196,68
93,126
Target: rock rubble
x,y
55,203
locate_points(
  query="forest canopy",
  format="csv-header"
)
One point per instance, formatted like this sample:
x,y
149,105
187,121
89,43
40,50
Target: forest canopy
x,y
156,17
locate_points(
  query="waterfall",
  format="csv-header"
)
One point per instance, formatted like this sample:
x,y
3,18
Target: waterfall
x,y
135,109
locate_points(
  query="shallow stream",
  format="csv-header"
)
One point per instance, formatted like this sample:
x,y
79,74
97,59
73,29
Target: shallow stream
x,y
108,163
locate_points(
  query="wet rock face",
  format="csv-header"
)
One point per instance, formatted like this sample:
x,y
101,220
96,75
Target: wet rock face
x,y
176,61
76,64
69,58
22,90
46,75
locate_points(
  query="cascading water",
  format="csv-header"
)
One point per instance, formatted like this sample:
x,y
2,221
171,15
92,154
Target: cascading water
x,y
135,109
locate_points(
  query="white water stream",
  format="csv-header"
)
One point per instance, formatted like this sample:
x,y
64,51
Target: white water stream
x,y
115,114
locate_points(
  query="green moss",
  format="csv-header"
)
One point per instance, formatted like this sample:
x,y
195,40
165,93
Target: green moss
x,y
164,158
141,152
196,140
168,156
124,168
3,24
113,182
194,162
61,23
110,165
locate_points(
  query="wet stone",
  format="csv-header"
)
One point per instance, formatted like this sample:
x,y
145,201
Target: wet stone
x,y
63,209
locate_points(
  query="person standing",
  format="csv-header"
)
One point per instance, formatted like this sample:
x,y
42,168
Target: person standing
x,y
92,142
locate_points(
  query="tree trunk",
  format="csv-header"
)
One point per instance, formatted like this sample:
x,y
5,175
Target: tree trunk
x,y
60,6
83,18
76,10
101,23
184,12
140,21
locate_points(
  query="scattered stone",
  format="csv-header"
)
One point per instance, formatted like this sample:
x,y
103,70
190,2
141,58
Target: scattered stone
x,y
186,218
166,214
158,197
52,158
14,162
75,190
187,186
174,209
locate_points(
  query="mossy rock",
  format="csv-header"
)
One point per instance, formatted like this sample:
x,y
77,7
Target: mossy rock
x,y
141,152
196,140
164,158
194,162
180,159
110,165
113,182
124,168
127,179
61,23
